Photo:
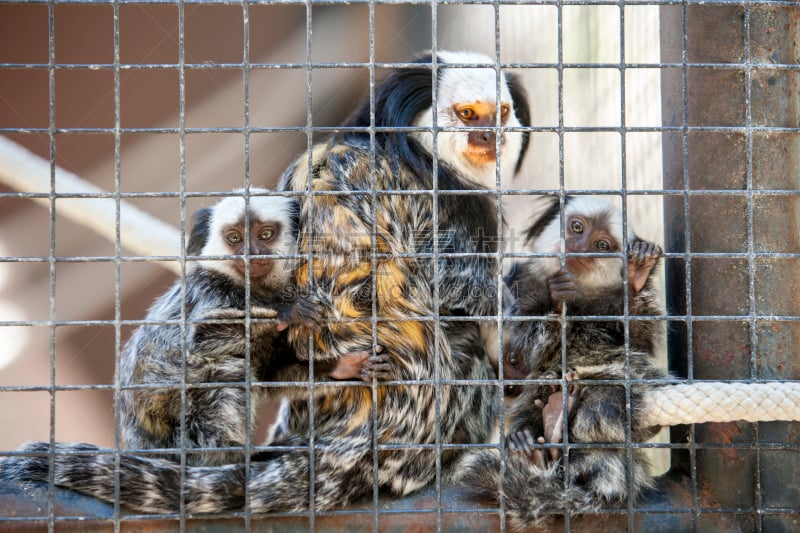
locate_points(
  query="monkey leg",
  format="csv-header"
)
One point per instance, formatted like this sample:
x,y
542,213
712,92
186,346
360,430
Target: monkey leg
x,y
214,417
554,414
532,485
540,409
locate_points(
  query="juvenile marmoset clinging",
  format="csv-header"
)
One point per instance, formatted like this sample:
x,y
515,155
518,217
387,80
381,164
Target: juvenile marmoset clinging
x,y
213,347
368,209
538,482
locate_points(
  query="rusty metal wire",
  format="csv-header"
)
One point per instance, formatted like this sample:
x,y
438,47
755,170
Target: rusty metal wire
x,y
762,459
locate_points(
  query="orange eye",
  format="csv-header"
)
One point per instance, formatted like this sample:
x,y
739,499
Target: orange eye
x,y
504,109
467,113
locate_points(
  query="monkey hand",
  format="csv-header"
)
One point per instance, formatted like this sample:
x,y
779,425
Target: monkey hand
x,y
562,288
379,366
306,311
642,258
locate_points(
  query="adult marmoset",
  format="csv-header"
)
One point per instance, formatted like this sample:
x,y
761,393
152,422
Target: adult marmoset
x,y
388,254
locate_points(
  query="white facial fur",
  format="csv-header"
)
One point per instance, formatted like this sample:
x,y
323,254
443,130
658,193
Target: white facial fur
x,y
462,86
230,210
607,272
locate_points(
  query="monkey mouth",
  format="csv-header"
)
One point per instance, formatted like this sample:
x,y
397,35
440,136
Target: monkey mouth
x,y
480,156
258,267
578,264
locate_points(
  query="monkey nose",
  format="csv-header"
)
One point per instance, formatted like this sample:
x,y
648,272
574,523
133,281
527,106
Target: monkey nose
x,y
482,138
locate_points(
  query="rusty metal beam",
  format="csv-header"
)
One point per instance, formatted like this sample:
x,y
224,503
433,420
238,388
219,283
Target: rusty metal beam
x,y
733,101
27,503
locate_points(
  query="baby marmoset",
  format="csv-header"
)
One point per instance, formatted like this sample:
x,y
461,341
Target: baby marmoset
x,y
538,481
212,355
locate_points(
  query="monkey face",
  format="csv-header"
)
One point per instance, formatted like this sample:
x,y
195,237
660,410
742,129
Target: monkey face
x,y
586,234
481,145
590,225
470,96
474,152
271,232
262,239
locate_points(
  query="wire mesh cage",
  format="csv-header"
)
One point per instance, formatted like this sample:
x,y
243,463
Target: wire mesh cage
x,y
119,120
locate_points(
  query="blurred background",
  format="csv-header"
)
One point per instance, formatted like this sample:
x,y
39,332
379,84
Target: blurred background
x,y
597,153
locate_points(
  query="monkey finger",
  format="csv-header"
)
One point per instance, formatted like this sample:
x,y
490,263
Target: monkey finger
x,y
562,297
563,272
635,252
562,285
529,440
378,365
380,372
561,282
572,388
555,453
262,312
377,375
538,458
281,326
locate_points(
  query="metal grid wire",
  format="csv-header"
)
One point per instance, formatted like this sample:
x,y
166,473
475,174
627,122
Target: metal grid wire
x,y
732,95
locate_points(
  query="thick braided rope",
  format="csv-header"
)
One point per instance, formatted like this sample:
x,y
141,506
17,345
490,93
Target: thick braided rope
x,y
721,402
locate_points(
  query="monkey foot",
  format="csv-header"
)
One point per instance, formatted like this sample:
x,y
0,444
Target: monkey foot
x,y
553,412
523,443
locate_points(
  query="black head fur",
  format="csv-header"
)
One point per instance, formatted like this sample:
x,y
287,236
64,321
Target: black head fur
x,y
399,99
523,112
551,213
201,226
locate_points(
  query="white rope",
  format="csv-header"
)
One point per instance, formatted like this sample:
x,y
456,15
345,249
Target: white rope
x,y
721,402
140,232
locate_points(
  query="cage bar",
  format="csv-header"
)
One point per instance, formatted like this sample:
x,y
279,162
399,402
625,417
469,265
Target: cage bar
x,y
729,135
